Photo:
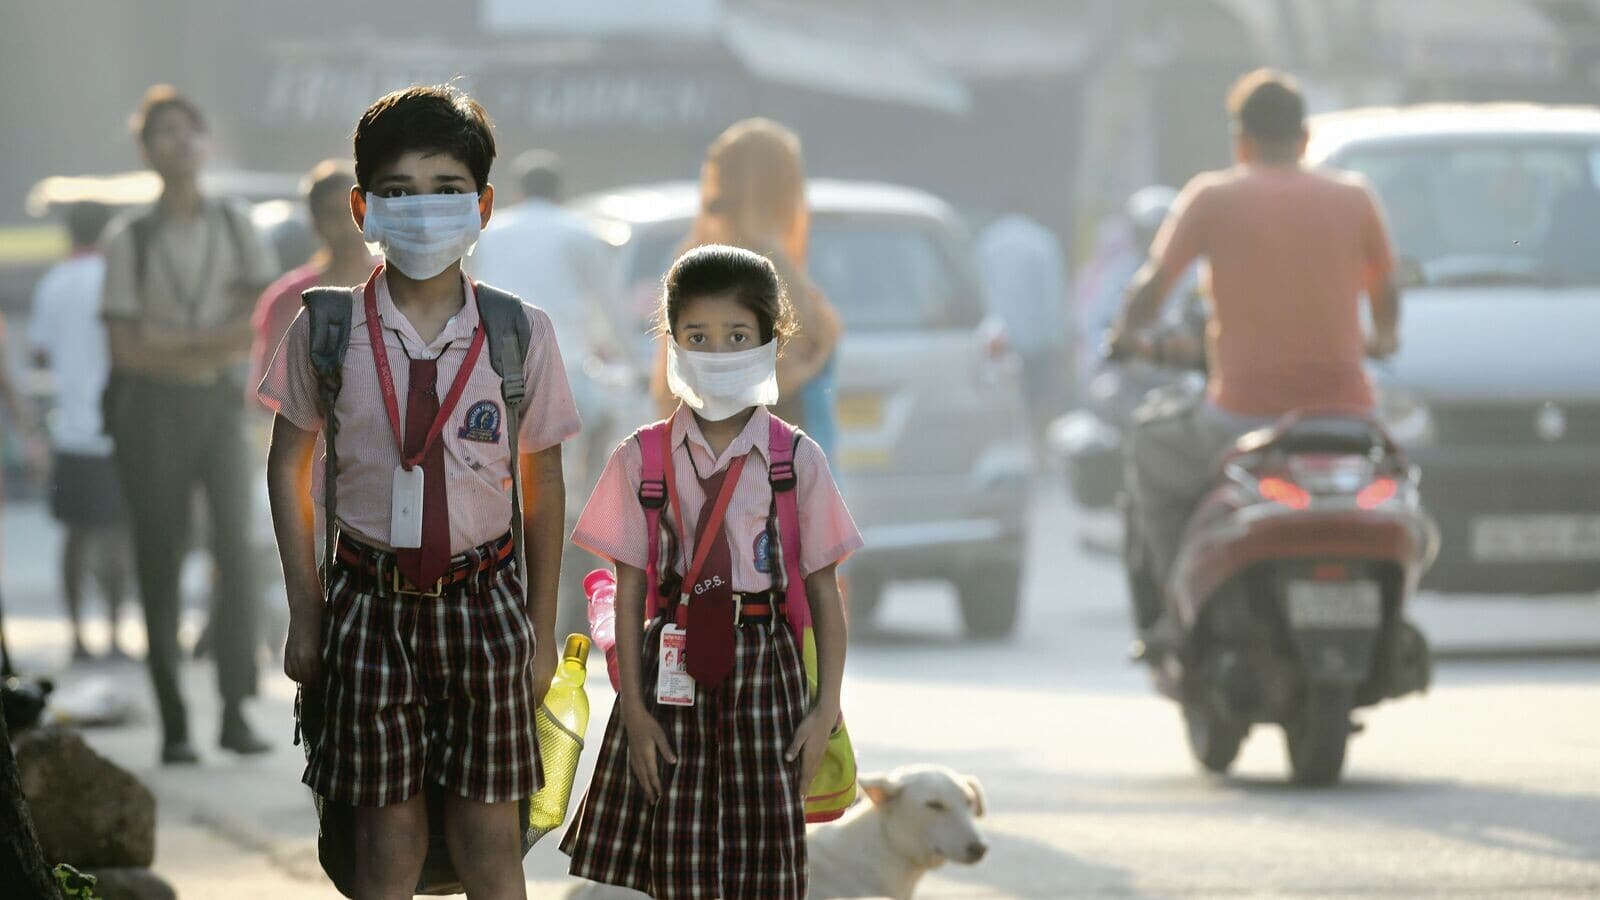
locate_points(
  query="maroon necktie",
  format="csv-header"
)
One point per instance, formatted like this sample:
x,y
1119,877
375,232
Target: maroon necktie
x,y
424,566
709,642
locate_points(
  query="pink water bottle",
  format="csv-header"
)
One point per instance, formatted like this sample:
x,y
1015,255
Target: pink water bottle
x,y
600,586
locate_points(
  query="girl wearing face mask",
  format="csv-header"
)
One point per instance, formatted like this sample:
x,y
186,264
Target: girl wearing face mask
x,y
700,785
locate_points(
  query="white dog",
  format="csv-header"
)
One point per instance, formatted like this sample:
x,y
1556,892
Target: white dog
x,y
916,819
913,820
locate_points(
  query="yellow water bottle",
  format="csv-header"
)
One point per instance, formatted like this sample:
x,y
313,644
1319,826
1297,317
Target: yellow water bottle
x,y
562,721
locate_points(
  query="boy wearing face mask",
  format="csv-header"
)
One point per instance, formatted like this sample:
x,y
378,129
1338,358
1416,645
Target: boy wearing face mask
x,y
427,659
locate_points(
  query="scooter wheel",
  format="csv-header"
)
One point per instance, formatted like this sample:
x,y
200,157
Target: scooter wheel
x,y
1318,734
1214,737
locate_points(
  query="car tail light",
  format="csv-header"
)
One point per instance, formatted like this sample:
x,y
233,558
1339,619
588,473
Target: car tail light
x,y
1283,492
1377,493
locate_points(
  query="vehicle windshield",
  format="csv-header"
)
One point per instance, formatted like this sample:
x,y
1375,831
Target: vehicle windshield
x,y
882,274
1511,213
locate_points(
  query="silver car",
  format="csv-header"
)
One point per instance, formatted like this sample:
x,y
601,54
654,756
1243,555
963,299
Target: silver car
x,y
932,451
1496,389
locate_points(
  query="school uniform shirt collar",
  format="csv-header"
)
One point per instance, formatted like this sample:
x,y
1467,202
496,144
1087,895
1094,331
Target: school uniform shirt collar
x,y
755,436
459,328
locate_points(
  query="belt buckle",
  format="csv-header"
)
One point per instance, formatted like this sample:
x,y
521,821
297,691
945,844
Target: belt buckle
x,y
395,585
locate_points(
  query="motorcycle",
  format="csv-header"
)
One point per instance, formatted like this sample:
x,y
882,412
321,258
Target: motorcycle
x,y
1087,444
1286,602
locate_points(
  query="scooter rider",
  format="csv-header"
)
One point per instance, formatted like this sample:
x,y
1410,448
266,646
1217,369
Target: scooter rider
x,y
1290,251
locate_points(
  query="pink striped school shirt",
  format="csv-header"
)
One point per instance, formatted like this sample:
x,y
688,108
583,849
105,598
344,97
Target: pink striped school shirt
x,y
612,525
477,457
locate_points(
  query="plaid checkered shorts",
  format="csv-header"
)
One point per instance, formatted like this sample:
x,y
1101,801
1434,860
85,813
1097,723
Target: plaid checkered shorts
x,y
731,819
426,690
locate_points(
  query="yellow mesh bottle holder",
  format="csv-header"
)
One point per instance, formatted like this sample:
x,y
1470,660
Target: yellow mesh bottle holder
x,y
834,789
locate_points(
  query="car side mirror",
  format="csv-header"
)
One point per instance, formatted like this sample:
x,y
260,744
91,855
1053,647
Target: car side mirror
x,y
1408,273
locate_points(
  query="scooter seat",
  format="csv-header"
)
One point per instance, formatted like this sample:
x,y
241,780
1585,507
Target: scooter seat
x,y
1296,433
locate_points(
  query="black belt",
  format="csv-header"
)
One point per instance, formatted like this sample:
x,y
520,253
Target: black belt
x,y
375,570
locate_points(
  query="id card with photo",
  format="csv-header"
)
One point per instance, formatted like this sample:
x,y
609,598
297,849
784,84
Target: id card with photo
x,y
674,685
405,511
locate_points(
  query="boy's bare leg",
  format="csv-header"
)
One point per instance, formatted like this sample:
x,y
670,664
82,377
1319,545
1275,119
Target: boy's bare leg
x,y
391,843
486,847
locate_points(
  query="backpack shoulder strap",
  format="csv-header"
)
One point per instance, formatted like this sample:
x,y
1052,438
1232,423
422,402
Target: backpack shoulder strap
x,y
653,447
783,441
143,230
508,334
329,311
233,221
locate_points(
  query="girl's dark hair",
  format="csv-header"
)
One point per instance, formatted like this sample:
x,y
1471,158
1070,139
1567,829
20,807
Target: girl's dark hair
x,y
435,119
720,269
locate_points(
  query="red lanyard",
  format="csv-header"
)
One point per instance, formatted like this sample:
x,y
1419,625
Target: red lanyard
x,y
380,356
719,510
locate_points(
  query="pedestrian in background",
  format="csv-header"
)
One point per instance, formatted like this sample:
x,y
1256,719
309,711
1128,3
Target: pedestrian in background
x,y
341,258
68,339
1025,284
181,281
546,254
753,195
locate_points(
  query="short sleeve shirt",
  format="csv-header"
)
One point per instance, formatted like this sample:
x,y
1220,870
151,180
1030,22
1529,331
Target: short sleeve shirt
x,y
477,453
612,525
1289,252
198,272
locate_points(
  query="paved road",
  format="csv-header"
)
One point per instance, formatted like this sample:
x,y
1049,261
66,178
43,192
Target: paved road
x,y
1488,786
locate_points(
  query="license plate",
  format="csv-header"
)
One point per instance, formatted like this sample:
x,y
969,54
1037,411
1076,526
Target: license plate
x,y
860,411
1335,604
1535,538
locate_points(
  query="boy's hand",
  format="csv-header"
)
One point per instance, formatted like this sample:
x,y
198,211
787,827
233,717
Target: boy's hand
x,y
646,740
302,652
810,743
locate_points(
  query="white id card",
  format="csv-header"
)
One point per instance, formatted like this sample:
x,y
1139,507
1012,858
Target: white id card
x,y
405,514
674,686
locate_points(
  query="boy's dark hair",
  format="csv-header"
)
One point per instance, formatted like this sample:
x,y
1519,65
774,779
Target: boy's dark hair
x,y
158,100
715,269
85,221
326,179
1267,105
435,119
539,173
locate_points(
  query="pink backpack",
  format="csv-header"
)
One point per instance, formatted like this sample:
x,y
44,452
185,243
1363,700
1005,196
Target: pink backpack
x,y
834,789
782,439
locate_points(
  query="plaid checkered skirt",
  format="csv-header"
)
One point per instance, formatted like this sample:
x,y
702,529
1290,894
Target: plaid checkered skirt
x,y
419,690
731,819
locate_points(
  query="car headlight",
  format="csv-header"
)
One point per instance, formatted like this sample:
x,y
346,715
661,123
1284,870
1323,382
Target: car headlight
x,y
1406,416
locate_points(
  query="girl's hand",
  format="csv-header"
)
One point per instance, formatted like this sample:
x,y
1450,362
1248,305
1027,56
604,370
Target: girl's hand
x,y
811,742
646,740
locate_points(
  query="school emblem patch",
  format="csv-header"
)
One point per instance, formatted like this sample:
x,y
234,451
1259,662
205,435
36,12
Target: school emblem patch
x,y
482,423
764,552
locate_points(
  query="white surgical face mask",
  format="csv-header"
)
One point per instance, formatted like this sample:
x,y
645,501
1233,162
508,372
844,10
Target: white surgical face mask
x,y
719,386
422,234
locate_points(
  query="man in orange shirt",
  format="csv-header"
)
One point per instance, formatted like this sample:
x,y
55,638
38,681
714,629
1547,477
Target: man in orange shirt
x,y
1290,251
